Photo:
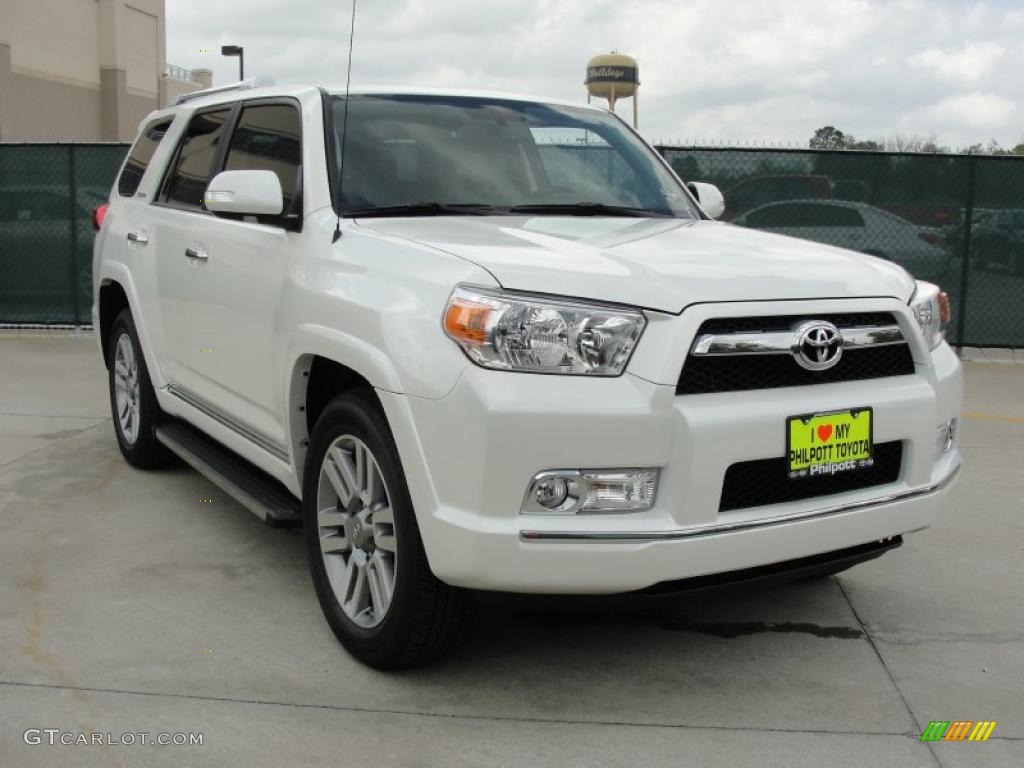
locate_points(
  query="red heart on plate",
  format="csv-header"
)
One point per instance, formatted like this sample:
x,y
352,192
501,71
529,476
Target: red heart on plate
x,y
824,432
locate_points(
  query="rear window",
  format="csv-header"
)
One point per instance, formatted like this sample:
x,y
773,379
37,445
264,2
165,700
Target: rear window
x,y
141,154
193,163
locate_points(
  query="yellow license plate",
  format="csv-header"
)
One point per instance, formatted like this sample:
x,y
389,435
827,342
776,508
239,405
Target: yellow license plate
x,y
829,443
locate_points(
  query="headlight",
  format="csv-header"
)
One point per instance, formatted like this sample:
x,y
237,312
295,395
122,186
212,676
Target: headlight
x,y
930,306
515,332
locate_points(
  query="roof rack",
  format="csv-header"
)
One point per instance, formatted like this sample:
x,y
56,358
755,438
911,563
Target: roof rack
x,y
242,85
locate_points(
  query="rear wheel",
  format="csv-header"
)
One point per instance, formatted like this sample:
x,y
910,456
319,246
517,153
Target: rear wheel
x,y
366,557
132,400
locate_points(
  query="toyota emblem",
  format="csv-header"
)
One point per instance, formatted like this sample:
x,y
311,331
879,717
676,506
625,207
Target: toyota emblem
x,y
817,345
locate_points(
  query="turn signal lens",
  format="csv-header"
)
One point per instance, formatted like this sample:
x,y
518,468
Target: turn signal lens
x,y
467,320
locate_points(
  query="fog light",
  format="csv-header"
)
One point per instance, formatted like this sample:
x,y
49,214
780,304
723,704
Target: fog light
x,y
573,491
551,492
945,438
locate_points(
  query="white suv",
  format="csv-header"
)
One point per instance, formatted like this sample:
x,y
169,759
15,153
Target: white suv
x,y
494,343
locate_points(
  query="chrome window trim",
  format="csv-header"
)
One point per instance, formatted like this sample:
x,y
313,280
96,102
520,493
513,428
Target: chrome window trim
x,y
782,342
696,531
270,446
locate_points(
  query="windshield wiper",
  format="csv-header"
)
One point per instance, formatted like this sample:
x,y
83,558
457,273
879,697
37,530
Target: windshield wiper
x,y
587,209
422,209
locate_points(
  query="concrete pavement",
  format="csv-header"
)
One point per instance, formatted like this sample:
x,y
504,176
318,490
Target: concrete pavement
x,y
152,602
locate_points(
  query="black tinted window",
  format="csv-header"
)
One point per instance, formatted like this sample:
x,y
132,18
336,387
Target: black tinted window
x,y
834,216
268,138
140,156
804,215
194,162
785,215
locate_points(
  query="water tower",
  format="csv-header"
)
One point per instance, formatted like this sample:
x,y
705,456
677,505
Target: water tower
x,y
613,76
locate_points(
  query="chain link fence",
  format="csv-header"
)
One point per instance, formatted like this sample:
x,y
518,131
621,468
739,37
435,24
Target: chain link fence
x,y
47,194
957,220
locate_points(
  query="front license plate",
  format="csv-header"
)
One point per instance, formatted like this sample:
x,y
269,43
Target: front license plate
x,y
829,443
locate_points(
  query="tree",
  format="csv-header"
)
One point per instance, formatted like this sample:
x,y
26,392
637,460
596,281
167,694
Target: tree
x,y
899,142
868,144
828,137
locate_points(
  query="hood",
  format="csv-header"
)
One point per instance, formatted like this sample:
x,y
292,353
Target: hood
x,y
663,264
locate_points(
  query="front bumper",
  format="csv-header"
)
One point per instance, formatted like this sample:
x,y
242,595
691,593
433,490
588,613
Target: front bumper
x,y
469,456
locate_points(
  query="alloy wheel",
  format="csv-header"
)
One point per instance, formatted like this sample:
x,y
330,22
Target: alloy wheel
x,y
126,388
356,527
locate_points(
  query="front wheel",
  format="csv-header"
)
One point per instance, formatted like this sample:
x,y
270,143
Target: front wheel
x,y
366,557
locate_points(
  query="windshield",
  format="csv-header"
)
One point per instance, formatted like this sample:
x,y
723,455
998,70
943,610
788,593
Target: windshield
x,y
432,155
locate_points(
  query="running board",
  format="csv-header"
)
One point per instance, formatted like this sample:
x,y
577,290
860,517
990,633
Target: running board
x,y
250,486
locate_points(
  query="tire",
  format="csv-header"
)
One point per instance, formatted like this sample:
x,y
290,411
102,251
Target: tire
x,y
362,550
127,371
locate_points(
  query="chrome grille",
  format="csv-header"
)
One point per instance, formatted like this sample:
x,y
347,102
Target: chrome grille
x,y
748,353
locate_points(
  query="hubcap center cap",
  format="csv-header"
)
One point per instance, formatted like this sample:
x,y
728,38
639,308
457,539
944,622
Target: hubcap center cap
x,y
360,531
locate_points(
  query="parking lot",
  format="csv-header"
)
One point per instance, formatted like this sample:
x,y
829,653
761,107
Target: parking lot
x,y
152,602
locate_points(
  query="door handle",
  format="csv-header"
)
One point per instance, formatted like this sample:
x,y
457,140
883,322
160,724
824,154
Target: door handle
x,y
197,253
139,237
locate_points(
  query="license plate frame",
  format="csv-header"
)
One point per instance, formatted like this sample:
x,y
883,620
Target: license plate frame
x,y
834,460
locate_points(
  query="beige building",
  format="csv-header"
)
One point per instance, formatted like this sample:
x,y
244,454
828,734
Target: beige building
x,y
85,69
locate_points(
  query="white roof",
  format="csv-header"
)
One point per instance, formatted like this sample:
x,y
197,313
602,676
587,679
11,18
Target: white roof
x,y
226,93
413,90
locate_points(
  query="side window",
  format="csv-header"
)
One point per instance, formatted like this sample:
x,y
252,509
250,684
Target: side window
x,y
141,154
186,183
835,216
775,216
269,138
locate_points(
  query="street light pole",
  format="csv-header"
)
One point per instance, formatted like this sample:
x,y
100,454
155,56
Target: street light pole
x,y
235,50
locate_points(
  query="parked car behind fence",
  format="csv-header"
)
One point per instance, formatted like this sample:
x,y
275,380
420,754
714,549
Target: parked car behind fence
x,y
862,227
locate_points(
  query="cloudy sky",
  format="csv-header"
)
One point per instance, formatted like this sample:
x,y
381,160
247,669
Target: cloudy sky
x,y
712,70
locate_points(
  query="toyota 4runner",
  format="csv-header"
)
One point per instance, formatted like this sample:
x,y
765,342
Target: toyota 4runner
x,y
478,341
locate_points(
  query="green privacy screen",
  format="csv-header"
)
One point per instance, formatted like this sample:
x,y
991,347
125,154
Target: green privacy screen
x,y
957,220
47,193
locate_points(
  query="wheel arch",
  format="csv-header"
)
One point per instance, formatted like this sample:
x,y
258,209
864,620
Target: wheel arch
x,y
116,284
327,363
112,299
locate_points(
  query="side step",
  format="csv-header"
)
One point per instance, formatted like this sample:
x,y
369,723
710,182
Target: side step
x,y
250,486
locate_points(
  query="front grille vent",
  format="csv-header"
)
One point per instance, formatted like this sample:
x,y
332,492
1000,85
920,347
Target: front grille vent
x,y
706,373
766,481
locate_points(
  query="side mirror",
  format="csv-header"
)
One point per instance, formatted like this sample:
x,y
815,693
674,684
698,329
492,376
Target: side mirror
x,y
709,197
253,193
